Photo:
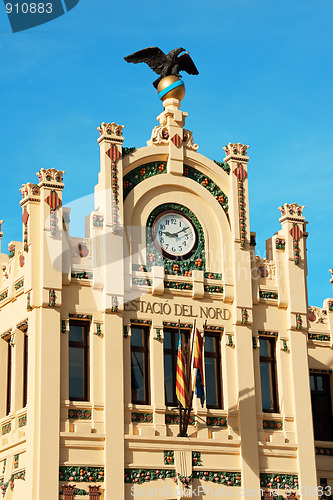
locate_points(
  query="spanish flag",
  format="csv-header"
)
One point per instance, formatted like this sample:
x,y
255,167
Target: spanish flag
x,y
181,383
198,379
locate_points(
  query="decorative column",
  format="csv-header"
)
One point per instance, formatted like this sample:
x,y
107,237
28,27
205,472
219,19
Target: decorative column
x,y
237,159
293,232
44,284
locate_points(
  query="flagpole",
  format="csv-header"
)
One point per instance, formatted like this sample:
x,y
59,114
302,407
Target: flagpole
x,y
180,406
187,411
192,392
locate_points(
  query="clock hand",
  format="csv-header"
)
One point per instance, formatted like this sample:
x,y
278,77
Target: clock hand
x,y
184,229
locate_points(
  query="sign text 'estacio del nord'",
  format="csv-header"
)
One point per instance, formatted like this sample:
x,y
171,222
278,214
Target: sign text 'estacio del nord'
x,y
183,310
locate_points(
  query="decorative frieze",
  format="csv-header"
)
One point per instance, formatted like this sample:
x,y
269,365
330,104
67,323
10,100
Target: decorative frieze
x,y
214,328
82,474
219,477
19,284
141,282
213,289
29,301
25,217
230,341
177,325
82,275
284,347
4,466
299,322
98,331
173,419
276,480
296,234
6,429
169,458
319,337
78,414
6,335
208,184
213,276
324,451
16,461
268,334
263,294
141,173
145,475
318,370
272,424
3,295
139,267
142,418
216,421
115,195
175,285
245,316
158,334
80,316
140,321
22,421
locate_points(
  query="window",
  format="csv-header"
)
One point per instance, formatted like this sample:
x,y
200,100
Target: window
x,y
9,377
170,345
268,375
78,361
25,370
321,406
212,370
139,365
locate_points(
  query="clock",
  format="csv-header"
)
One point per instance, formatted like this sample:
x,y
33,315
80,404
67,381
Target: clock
x,y
174,235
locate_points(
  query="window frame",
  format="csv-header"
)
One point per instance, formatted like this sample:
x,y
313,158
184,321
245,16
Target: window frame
x,y
271,361
145,350
217,356
326,393
85,346
173,351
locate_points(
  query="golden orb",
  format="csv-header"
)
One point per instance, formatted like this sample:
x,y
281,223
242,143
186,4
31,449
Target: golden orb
x,y
177,88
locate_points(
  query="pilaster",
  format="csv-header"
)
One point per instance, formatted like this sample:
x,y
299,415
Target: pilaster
x,y
113,406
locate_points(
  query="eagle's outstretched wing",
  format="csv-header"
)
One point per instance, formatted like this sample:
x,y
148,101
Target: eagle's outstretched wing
x,y
185,63
153,56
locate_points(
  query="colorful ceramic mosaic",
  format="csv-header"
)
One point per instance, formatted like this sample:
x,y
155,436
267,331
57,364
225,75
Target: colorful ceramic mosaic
x,y
284,345
4,466
22,421
22,325
268,295
144,475
4,295
63,326
317,336
219,477
299,322
5,429
175,285
182,267
208,184
241,175
139,267
173,418
213,289
29,302
255,342
80,316
125,331
169,458
82,275
230,341
140,321
79,414
52,298
216,421
98,220
275,480
296,234
330,306
273,424
19,284
245,316
324,451
268,334
214,328
158,334
213,276
317,370
141,282
11,250
16,461
127,151
280,244
141,173
196,458
142,417
177,325
82,474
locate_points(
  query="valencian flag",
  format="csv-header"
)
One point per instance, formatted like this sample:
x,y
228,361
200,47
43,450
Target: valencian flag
x,y
181,383
198,380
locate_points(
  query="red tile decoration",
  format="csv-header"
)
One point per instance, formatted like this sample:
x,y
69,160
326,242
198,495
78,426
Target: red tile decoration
x,y
53,200
177,140
113,153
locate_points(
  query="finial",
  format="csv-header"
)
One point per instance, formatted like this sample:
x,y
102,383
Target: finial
x,y
291,210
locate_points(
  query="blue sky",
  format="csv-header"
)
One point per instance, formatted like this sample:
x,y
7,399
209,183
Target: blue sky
x,y
265,80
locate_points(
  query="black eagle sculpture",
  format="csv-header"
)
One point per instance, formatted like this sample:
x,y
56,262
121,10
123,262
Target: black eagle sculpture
x,y
164,64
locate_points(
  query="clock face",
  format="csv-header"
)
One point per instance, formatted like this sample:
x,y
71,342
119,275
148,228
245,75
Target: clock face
x,y
174,234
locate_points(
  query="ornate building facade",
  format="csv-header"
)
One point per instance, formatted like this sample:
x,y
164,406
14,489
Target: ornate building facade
x,y
89,330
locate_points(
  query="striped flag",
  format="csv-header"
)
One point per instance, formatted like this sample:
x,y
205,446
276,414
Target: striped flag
x,y
198,380
181,383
